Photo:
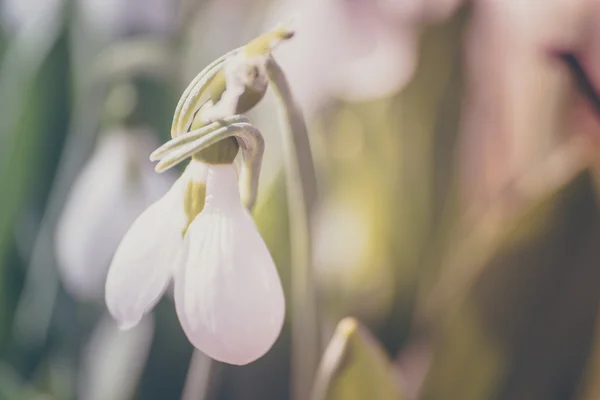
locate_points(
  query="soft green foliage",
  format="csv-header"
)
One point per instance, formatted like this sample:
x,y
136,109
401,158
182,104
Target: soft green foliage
x,y
355,367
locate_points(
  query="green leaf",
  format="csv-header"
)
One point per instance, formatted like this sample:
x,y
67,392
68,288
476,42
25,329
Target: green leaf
x,y
355,367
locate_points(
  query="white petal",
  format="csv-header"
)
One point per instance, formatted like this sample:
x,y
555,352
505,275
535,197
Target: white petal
x,y
142,266
227,293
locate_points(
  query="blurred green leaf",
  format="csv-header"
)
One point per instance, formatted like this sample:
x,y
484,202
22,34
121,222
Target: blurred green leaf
x,y
33,144
13,387
355,367
526,329
589,388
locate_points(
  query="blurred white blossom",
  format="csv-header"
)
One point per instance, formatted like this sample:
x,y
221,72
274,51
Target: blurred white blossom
x,y
115,186
18,13
130,16
345,49
354,49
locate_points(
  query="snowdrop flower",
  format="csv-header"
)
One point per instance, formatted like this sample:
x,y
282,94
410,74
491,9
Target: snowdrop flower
x,y
115,186
227,292
228,295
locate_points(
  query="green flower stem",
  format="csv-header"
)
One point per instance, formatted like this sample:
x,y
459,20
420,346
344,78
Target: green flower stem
x,y
301,192
198,380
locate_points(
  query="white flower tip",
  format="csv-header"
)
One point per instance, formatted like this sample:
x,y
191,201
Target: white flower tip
x,y
236,326
244,341
121,309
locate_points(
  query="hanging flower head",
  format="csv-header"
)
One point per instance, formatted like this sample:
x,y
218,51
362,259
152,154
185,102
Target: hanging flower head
x,y
227,291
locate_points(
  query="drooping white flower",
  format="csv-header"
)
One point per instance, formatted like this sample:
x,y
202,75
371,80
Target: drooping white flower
x,y
227,291
113,189
143,264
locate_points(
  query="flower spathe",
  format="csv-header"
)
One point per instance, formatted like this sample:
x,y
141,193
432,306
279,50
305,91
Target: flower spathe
x,y
227,292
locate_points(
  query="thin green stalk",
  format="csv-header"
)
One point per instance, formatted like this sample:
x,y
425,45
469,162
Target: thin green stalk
x,y
198,382
301,193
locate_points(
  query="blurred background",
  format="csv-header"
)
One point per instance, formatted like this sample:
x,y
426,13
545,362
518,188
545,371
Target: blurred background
x,y
457,148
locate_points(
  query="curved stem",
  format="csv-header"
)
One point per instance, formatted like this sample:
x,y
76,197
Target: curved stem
x,y
301,193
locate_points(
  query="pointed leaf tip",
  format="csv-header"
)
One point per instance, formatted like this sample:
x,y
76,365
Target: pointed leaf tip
x,y
355,366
